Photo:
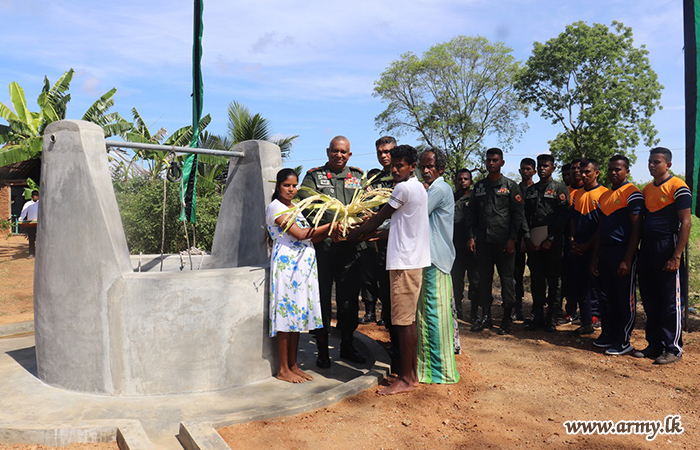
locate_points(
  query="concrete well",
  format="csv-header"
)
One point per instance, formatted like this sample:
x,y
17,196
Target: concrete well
x,y
103,328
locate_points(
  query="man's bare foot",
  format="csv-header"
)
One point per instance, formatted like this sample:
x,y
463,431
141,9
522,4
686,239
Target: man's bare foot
x,y
301,373
398,387
290,377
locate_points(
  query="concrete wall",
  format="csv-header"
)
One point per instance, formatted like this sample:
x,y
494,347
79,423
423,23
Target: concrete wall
x,y
240,234
102,328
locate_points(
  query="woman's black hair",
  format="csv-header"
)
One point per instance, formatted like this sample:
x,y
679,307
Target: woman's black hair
x,y
282,176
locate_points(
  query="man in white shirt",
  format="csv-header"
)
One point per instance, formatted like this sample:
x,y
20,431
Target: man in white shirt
x,y
30,213
408,252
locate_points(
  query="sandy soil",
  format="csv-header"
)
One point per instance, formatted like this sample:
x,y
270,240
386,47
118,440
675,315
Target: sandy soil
x,y
16,280
101,446
515,392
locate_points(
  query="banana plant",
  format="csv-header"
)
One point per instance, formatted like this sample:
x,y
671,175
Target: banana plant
x,y
22,136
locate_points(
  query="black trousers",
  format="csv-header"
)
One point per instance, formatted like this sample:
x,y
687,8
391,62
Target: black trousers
x,y
487,255
465,263
340,265
545,272
663,294
618,300
519,274
31,236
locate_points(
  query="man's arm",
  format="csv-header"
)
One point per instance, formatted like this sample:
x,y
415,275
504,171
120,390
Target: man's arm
x,y
675,262
372,223
517,219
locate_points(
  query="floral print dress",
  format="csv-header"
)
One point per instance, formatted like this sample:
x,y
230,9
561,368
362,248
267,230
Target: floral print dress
x,y
294,295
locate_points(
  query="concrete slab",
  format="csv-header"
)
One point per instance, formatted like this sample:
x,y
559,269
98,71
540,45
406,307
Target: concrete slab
x,y
31,409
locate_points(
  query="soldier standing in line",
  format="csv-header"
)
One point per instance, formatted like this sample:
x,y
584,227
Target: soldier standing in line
x,y
384,180
338,262
547,214
527,171
494,219
665,232
464,259
584,224
614,257
575,183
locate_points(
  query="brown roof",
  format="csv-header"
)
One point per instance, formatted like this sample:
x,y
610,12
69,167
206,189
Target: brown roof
x,y
21,171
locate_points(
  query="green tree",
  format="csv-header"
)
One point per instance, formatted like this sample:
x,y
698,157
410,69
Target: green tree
x,y
22,136
598,86
244,126
156,162
454,96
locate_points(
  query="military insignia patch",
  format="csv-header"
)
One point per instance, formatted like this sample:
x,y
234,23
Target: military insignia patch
x,y
503,191
562,196
518,197
352,182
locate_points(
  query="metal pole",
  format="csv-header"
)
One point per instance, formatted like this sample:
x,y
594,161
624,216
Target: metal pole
x,y
172,148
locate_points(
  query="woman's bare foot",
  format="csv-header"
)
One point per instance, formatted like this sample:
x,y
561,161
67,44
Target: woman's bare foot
x,y
290,377
398,387
301,373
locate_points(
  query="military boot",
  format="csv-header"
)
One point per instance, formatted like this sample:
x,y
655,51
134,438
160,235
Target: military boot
x,y
474,317
485,322
506,321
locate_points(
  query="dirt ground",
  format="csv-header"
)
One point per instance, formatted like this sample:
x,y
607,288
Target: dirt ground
x,y
515,392
16,280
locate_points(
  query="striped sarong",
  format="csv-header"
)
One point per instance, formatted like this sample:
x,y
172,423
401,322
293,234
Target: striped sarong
x,y
436,358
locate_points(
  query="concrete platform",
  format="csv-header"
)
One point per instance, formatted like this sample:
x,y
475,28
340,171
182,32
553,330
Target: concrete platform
x,y
34,412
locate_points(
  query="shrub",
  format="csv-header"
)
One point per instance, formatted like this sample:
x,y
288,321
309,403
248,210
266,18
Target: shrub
x,y
140,203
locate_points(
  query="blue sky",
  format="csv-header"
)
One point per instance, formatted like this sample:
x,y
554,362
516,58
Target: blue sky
x,y
308,66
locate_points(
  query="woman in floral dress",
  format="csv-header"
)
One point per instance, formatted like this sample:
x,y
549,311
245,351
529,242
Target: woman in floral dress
x,y
294,295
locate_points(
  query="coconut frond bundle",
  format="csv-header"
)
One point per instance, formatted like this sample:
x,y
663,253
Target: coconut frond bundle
x,y
362,204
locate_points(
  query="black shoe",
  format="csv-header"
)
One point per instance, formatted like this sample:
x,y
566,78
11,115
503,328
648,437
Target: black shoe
x,y
549,327
519,316
651,351
531,326
504,329
505,322
349,353
584,329
486,322
368,318
381,322
323,363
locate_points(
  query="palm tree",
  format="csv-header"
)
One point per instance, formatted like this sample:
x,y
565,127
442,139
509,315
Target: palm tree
x,y
23,134
242,126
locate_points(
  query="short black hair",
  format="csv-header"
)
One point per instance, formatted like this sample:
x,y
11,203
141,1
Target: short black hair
x,y
576,161
528,162
545,157
440,157
35,192
373,172
590,161
625,160
566,167
494,151
405,152
668,156
461,171
384,140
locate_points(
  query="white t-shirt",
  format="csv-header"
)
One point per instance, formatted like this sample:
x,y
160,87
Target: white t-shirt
x,y
408,246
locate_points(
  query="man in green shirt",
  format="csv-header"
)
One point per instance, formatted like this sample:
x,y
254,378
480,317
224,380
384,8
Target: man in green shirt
x,y
495,216
547,215
338,262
